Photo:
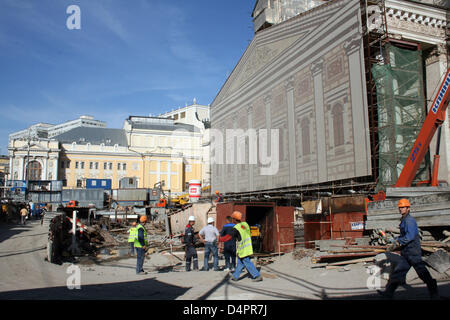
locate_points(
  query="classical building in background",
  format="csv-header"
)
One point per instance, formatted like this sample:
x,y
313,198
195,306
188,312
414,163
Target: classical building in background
x,y
147,150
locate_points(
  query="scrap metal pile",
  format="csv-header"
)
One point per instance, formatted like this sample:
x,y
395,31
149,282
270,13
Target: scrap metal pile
x,y
332,254
102,238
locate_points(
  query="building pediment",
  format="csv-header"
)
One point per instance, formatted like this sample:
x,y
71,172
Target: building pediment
x,y
271,43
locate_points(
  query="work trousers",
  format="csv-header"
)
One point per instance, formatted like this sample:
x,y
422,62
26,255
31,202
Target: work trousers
x,y
191,254
248,264
230,257
132,248
140,260
402,268
211,247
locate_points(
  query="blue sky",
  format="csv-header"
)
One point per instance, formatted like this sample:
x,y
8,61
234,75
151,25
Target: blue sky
x,y
130,57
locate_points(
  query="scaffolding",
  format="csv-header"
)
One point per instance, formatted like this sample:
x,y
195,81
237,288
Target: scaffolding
x,y
395,93
401,112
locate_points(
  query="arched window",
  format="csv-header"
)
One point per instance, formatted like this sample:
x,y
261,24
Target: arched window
x,y
306,147
34,170
338,124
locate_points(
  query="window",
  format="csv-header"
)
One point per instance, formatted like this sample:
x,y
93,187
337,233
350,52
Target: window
x,y
91,165
124,166
34,171
63,165
175,116
76,164
94,183
103,183
183,115
79,183
96,166
338,125
68,164
110,165
105,165
118,166
82,164
64,183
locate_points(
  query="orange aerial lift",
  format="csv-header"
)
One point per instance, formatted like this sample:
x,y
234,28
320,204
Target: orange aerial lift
x,y
433,121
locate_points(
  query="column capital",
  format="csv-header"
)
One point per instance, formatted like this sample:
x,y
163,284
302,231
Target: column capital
x,y
317,66
353,43
289,83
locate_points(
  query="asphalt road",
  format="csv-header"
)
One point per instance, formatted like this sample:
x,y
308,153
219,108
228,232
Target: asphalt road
x,y
25,274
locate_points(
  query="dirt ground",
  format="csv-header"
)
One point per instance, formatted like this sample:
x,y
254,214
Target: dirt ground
x,y
25,274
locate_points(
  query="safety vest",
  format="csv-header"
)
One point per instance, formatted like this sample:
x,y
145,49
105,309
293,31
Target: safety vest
x,y
137,244
133,234
244,247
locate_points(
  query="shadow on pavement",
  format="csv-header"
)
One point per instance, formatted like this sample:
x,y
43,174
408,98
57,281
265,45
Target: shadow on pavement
x,y
147,289
8,230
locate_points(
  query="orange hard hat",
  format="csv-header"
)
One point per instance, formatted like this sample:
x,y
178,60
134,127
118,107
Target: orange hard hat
x,y
237,215
404,203
217,191
134,224
143,219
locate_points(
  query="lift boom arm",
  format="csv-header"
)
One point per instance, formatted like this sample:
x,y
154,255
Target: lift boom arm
x,y
433,121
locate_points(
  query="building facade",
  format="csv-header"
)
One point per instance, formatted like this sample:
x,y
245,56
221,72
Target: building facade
x,y
305,76
149,150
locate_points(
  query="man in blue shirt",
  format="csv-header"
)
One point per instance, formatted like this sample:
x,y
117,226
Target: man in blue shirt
x,y
229,247
411,253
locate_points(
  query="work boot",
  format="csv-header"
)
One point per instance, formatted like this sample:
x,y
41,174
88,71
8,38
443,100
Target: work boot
x,y
433,289
257,279
390,289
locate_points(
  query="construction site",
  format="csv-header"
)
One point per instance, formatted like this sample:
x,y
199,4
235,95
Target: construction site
x,y
357,93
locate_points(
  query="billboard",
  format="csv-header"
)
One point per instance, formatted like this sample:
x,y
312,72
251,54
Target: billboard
x,y
294,110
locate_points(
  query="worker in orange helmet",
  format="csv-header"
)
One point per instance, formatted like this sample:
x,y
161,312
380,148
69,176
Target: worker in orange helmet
x,y
241,233
219,197
411,254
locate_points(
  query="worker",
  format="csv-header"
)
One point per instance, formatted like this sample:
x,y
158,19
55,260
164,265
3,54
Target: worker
x,y
229,247
219,197
209,235
132,237
189,240
23,215
411,254
241,233
141,244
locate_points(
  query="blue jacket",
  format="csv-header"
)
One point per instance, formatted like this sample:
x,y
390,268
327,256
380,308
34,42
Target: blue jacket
x,y
141,237
227,230
409,237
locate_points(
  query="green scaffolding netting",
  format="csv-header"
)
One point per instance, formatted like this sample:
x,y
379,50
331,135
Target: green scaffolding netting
x,y
401,112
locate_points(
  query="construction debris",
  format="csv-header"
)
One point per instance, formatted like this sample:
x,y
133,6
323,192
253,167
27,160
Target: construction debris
x,y
439,261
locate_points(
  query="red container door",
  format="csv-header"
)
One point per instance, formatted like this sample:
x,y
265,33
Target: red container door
x,y
284,229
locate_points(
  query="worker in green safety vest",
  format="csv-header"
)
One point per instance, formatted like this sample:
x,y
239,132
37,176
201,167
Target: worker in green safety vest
x,y
241,233
132,237
141,243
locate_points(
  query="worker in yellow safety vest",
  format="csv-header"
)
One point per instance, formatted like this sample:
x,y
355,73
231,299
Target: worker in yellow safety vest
x,y
141,243
241,233
132,237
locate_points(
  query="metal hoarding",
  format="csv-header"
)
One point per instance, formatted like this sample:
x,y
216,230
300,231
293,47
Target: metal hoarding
x,y
85,197
130,194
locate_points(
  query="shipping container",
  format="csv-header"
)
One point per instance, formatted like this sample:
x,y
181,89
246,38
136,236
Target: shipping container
x,y
128,183
276,223
85,197
98,184
338,218
45,185
136,194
